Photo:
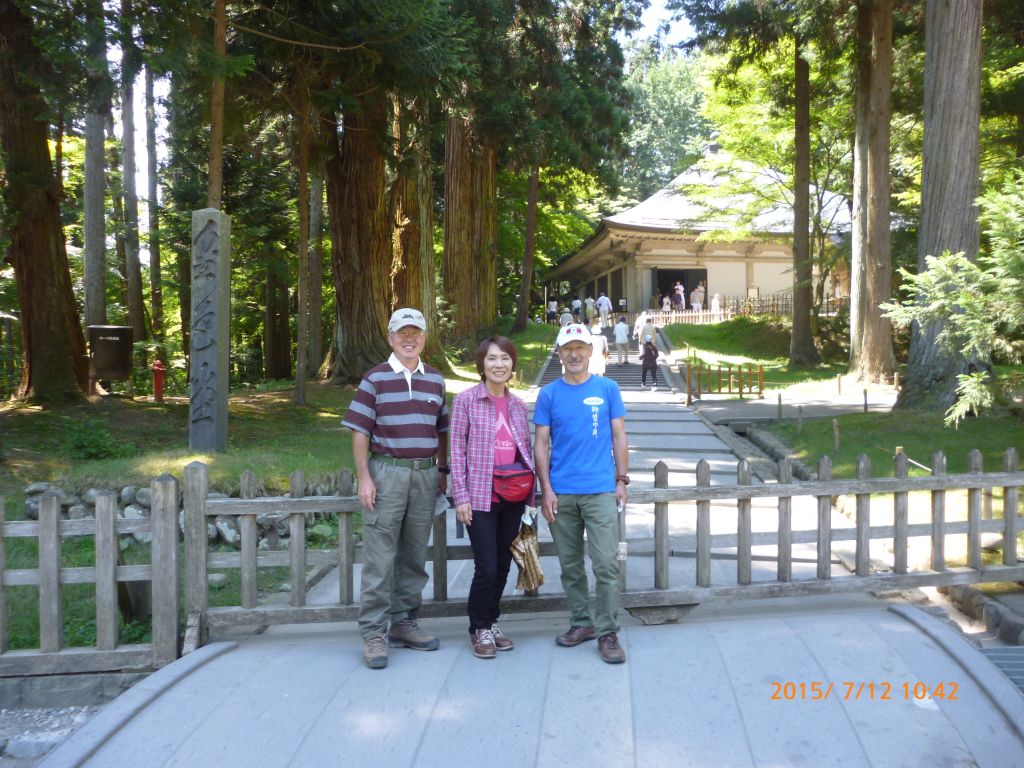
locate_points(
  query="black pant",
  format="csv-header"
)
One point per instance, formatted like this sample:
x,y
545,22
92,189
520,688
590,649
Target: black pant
x,y
654,376
491,533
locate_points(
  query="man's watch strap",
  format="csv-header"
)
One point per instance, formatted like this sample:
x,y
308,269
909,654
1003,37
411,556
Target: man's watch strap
x,y
624,479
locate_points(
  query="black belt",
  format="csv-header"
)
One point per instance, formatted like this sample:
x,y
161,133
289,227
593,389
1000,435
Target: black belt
x,y
426,463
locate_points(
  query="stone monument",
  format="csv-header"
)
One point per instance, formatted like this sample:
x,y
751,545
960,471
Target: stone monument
x,y
208,347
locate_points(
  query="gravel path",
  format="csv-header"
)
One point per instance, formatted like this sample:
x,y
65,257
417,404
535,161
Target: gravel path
x,y
28,734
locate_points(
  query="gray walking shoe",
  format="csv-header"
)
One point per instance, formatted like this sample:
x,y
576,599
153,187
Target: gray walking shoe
x,y
407,634
375,652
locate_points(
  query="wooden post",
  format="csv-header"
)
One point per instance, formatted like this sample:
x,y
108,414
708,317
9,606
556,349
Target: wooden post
x,y
825,522
799,419
899,513
247,529
835,436
896,380
785,561
3,564
661,529
689,385
938,515
297,545
441,557
865,401
974,463
778,414
730,379
760,381
164,522
703,527
106,572
863,521
1010,464
51,619
839,383
743,564
346,558
197,484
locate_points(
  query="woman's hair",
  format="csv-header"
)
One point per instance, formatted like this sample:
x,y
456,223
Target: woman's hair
x,y
502,343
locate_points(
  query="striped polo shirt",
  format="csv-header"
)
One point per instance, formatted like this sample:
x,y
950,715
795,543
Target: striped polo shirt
x,y
402,414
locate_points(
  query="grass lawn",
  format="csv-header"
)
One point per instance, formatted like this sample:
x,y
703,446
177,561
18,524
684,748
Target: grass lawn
x,y
748,340
920,433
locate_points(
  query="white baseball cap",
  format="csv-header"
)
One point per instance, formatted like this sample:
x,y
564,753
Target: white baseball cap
x,y
573,332
406,316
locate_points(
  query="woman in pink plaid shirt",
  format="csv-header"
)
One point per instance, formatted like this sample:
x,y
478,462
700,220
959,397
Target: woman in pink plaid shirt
x,y
488,428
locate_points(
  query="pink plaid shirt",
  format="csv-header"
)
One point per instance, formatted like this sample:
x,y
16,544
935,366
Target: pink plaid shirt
x,y
471,428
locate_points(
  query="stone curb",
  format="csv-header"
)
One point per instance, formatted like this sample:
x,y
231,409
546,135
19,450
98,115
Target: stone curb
x,y
778,450
1001,692
999,618
760,463
90,738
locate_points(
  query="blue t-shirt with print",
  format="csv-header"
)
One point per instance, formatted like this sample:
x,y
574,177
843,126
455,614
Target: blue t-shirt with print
x,y
580,416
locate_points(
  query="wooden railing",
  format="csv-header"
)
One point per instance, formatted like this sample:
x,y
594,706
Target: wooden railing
x,y
659,599
49,576
706,379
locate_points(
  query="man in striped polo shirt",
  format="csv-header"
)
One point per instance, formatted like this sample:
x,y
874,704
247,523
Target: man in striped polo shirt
x,y
399,423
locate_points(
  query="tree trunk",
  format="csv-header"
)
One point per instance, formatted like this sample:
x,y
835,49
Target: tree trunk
x,y
53,347
216,170
360,244
858,233
94,253
949,180
802,353
276,336
315,352
487,248
136,307
117,207
462,218
413,269
877,361
156,296
302,250
529,246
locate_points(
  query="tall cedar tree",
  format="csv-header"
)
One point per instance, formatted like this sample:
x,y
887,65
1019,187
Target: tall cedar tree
x,y
52,342
950,180
746,28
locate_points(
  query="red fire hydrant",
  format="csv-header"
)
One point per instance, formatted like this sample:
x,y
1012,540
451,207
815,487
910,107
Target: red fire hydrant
x,y
158,381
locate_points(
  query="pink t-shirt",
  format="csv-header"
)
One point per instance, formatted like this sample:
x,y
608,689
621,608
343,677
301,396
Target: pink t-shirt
x,y
504,444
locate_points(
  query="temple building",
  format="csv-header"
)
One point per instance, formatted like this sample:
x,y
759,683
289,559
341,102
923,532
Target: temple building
x,y
682,233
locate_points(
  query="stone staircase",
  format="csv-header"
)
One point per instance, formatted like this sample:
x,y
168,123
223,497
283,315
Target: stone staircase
x,y
627,376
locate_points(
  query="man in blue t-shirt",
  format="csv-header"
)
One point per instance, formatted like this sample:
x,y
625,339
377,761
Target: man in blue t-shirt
x,y
582,458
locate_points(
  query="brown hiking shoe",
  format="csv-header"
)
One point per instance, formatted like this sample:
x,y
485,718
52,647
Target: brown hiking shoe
x,y
575,636
375,652
483,644
501,642
610,649
407,633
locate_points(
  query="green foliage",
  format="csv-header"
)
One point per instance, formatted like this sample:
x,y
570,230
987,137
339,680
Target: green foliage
x,y
666,127
979,305
89,440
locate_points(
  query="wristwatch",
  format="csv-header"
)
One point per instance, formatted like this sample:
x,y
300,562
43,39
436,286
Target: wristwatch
x,y
444,470
624,479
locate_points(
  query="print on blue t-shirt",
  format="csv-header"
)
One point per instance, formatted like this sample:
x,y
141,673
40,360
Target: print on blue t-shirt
x,y
581,435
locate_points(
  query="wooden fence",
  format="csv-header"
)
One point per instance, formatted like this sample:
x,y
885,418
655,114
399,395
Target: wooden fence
x,y
52,657
705,379
654,598
658,599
